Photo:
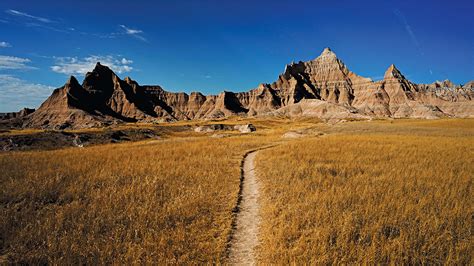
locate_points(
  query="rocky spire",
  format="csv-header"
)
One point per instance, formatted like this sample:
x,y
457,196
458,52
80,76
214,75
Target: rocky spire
x,y
327,54
99,67
101,78
444,84
327,67
393,72
72,81
327,50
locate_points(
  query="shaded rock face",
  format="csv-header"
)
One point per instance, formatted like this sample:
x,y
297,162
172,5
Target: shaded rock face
x,y
20,114
323,87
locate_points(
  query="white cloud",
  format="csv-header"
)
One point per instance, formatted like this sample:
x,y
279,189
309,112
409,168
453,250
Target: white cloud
x,y
133,32
80,66
130,30
26,15
126,61
16,93
12,62
5,45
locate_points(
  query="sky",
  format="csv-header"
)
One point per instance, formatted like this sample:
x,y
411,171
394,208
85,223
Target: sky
x,y
216,45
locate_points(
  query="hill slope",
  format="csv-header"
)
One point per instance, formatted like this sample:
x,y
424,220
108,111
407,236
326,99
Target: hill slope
x,y
323,87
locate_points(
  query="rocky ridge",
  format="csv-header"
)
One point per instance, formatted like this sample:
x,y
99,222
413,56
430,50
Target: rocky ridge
x,y
323,88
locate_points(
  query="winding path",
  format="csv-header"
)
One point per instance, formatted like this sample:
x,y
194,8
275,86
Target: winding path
x,y
244,239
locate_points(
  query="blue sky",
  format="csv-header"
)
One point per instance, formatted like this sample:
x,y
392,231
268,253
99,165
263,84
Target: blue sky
x,y
210,46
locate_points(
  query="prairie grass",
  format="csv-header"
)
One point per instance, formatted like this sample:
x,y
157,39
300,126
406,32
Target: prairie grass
x,y
364,192
399,196
20,132
166,202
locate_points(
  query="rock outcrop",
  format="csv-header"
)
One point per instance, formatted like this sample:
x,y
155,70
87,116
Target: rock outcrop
x,y
20,114
247,128
323,88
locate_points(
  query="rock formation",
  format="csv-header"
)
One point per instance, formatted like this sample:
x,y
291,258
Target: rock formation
x,y
323,87
22,113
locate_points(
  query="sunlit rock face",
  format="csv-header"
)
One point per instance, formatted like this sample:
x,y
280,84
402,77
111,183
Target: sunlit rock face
x,y
323,87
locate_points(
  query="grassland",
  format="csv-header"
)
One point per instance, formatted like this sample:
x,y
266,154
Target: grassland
x,y
377,192
166,201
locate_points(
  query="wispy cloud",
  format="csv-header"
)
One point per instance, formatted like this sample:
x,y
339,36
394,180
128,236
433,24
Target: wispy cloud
x,y
44,23
136,33
47,27
130,30
408,28
29,20
208,76
13,62
5,45
16,93
26,15
80,66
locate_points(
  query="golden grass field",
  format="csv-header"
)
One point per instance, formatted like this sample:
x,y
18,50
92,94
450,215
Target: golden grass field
x,y
403,196
358,192
166,202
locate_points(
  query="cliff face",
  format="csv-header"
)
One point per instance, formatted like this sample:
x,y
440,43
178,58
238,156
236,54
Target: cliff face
x,y
323,87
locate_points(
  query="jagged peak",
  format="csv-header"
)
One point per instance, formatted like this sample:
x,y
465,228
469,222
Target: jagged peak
x,y
226,93
99,68
101,78
72,81
130,81
98,65
469,85
328,57
327,53
392,68
327,50
448,83
444,84
196,93
393,72
292,68
262,85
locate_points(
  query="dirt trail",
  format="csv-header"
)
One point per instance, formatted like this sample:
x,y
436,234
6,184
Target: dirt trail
x,y
244,239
